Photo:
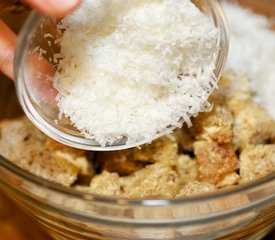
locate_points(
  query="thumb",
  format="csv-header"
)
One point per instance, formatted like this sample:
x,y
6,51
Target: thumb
x,y
56,8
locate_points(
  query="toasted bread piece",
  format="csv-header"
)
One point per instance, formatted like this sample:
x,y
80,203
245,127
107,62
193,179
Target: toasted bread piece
x,y
162,150
24,145
82,163
232,93
253,126
107,184
18,138
56,146
257,161
52,167
76,156
237,95
215,161
187,169
156,180
216,125
128,161
196,188
121,162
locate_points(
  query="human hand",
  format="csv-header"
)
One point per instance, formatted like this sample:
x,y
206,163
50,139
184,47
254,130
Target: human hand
x,y
57,8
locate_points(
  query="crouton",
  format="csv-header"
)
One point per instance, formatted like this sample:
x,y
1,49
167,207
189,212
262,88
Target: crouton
x,y
24,145
214,161
56,146
238,96
121,162
253,126
257,161
163,150
156,180
107,184
128,161
216,125
187,169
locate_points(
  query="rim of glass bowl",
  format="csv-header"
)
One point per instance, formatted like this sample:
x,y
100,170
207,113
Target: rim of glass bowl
x,y
77,141
149,202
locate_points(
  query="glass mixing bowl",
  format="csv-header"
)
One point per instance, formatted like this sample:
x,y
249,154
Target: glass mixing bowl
x,y
35,66
243,212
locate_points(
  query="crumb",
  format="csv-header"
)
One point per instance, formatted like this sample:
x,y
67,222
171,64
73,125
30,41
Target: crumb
x,y
257,161
196,188
187,169
214,161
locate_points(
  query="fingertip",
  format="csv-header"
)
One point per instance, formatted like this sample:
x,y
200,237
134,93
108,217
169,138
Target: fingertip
x,y
55,8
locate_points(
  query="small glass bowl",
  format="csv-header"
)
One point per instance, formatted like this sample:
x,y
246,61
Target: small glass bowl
x,y
35,67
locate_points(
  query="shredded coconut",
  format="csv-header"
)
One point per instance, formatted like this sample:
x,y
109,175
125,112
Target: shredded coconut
x,y
48,35
133,68
252,52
